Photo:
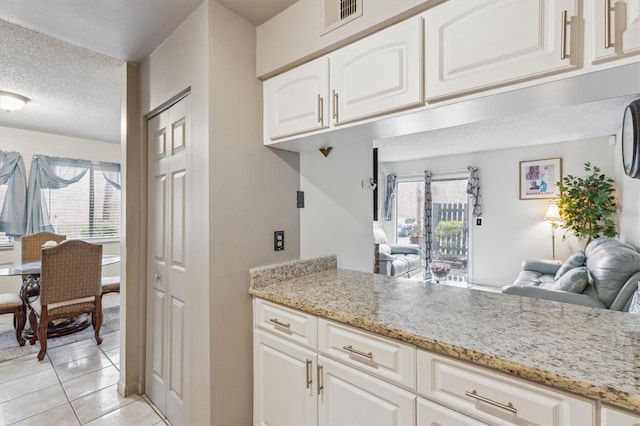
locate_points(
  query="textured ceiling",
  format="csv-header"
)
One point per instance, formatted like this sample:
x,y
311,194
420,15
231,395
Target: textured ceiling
x,y
67,56
73,91
568,123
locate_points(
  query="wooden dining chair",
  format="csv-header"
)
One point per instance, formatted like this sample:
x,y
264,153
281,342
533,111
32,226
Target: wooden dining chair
x,y
32,245
11,303
110,285
70,285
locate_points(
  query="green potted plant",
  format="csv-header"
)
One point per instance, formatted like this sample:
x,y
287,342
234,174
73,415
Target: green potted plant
x,y
587,205
415,236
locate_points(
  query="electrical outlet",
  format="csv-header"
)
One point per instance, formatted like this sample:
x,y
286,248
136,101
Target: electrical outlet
x,y
478,221
278,241
300,199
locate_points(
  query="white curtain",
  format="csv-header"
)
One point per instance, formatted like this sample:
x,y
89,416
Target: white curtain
x,y
111,173
49,173
12,173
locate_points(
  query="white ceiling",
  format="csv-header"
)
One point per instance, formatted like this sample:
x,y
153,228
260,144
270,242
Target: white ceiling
x,y
66,56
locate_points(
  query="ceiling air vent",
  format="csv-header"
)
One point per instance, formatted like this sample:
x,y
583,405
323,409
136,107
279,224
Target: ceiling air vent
x,y
339,12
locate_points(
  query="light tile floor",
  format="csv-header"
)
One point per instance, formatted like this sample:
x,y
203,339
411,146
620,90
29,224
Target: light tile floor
x,y
76,384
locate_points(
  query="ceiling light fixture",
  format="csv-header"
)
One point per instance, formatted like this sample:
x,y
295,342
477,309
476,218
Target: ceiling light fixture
x,y
12,101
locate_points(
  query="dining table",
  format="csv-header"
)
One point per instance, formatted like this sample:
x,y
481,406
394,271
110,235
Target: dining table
x,y
30,290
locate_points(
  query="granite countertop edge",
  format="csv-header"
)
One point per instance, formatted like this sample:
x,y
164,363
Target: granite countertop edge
x,y
268,291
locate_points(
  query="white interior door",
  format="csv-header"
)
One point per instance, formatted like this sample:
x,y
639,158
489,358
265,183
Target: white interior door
x,y
168,138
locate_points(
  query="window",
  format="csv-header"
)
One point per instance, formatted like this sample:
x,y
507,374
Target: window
x,y
89,208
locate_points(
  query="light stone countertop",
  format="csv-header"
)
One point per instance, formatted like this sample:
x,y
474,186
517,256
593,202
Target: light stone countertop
x,y
587,351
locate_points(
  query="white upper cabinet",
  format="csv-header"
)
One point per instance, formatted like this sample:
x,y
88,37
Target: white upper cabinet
x,y
379,74
297,101
476,45
616,29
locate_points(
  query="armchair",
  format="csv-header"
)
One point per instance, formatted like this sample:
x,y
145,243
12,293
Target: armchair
x,y
397,260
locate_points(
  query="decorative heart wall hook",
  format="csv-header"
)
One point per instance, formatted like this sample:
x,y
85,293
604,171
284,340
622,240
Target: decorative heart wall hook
x,y
326,151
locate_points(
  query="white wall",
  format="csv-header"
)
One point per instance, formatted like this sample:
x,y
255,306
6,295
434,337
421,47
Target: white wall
x,y
239,191
252,194
628,202
30,143
512,229
338,213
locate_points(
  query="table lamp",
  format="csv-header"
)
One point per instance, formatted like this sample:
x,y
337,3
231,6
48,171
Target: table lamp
x,y
553,215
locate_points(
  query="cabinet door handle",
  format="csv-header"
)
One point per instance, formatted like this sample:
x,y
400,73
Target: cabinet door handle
x,y
281,324
357,352
320,110
335,106
607,24
563,36
320,379
308,368
508,406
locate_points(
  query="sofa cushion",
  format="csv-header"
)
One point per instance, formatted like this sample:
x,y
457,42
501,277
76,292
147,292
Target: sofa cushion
x,y
575,260
405,248
611,266
575,280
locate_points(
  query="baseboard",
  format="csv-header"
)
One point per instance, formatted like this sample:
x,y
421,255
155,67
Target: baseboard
x,y
132,388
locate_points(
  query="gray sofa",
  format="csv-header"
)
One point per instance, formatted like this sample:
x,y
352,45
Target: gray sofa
x,y
611,270
397,260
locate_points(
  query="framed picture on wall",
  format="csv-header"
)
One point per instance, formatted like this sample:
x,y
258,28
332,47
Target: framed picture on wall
x,y
539,178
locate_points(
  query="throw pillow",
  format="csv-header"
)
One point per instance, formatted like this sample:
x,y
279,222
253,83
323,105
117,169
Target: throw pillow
x,y
576,259
575,280
635,303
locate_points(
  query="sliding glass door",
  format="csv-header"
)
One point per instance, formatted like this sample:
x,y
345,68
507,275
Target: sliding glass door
x,y
450,221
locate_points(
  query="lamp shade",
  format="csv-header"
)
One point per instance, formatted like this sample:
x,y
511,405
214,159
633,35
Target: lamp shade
x,y
553,213
12,101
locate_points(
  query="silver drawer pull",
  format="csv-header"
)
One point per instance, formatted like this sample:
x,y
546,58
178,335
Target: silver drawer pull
x,y
509,406
281,324
357,352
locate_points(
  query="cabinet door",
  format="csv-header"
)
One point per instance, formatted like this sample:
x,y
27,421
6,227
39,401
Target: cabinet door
x,y
283,387
296,101
379,74
432,414
616,29
476,45
350,397
614,417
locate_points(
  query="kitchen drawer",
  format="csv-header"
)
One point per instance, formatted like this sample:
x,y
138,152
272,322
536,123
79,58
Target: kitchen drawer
x,y
432,414
379,356
293,325
497,398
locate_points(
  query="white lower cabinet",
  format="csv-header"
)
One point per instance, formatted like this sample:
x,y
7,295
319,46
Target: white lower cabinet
x,y
283,382
497,398
432,414
351,397
311,371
